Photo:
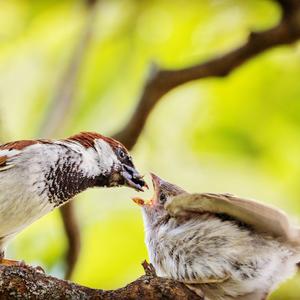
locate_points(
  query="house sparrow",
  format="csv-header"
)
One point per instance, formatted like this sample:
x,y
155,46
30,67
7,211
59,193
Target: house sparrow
x,y
38,175
221,246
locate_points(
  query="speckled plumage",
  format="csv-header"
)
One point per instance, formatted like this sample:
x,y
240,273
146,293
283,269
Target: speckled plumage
x,y
37,176
214,253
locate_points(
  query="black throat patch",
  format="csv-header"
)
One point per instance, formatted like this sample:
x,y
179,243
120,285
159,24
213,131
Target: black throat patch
x,y
65,179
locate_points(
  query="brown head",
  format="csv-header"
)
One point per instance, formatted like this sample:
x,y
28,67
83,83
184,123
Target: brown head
x,y
112,162
113,158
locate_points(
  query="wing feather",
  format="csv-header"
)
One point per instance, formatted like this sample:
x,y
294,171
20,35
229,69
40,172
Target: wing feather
x,y
4,163
261,217
3,160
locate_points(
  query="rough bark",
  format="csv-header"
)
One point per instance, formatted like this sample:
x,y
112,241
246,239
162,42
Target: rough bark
x,y
28,283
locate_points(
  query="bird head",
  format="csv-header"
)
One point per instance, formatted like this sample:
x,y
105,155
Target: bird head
x,y
111,161
163,190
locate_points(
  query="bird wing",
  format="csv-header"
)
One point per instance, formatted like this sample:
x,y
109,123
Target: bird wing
x,y
9,151
5,163
261,217
207,280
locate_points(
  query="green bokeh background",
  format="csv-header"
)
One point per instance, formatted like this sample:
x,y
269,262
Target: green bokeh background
x,y
239,134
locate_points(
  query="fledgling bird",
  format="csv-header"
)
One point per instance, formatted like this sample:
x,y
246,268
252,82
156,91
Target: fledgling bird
x,y
221,246
37,176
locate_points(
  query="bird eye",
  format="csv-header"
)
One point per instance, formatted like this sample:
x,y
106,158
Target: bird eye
x,y
162,198
121,154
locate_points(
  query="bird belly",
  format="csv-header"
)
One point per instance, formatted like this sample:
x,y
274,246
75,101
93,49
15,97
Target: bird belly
x,y
238,262
19,207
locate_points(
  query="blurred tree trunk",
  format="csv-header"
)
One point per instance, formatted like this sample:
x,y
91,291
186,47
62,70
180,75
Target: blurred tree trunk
x,y
61,105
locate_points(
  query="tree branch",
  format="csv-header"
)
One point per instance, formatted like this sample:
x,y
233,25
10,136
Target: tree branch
x,y
27,283
162,81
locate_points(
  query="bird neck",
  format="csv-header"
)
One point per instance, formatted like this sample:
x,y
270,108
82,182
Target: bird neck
x,y
74,171
154,217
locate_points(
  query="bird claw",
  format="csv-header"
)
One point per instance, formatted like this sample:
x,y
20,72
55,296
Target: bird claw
x,y
39,269
149,269
8,262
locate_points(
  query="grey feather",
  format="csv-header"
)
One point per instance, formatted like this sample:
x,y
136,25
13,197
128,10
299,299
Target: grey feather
x,y
262,217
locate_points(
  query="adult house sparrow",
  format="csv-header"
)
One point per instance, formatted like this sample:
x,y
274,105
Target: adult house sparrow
x,y
38,175
221,246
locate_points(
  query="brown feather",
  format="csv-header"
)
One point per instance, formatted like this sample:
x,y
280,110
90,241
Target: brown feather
x,y
3,160
20,145
4,163
87,139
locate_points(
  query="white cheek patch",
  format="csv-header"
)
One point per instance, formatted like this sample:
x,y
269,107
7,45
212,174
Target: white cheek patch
x,y
107,157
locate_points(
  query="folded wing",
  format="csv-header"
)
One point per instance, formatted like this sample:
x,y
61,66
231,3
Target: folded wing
x,y
5,163
261,217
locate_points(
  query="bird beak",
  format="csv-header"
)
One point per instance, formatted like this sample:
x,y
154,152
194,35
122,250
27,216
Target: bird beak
x,y
133,179
141,202
156,181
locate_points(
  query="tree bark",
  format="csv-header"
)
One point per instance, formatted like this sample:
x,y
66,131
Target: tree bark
x,y
18,282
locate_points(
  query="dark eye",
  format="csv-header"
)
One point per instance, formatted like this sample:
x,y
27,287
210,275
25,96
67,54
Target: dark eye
x,y
162,198
122,154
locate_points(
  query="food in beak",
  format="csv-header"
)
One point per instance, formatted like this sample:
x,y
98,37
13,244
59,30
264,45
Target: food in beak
x,y
133,178
156,183
141,202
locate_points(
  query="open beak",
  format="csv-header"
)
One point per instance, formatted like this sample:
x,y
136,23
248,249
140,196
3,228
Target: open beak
x,y
133,178
156,181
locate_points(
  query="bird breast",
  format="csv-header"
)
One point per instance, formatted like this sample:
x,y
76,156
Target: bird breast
x,y
42,177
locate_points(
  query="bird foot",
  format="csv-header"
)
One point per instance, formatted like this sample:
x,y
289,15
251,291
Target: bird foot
x,y
10,262
19,263
39,269
149,269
